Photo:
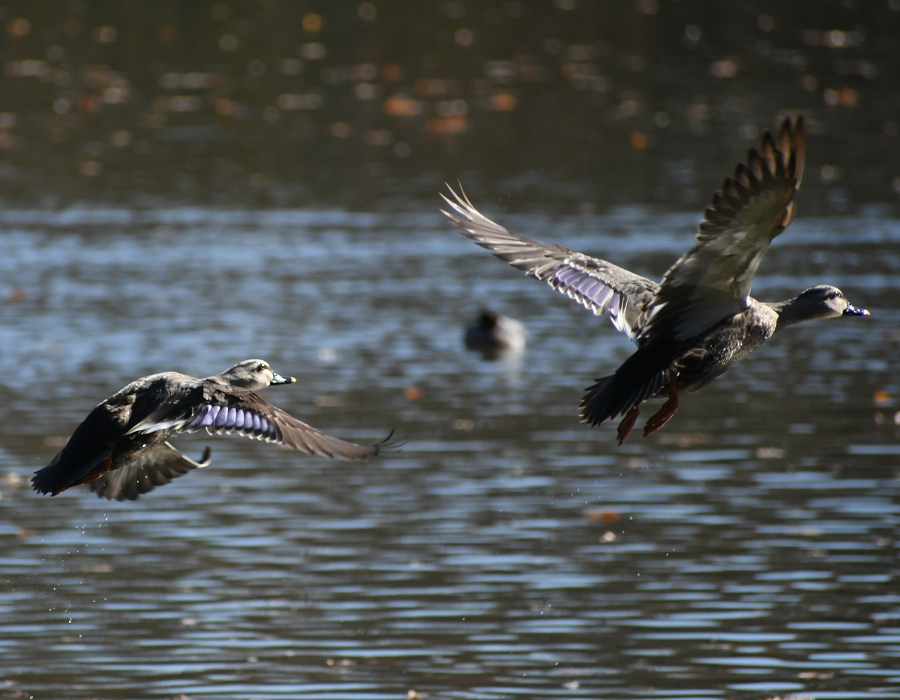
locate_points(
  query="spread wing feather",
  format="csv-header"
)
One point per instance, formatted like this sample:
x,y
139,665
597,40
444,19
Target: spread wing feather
x,y
712,281
155,467
596,284
254,418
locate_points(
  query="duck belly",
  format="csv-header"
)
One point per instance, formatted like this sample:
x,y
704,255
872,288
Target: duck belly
x,y
715,353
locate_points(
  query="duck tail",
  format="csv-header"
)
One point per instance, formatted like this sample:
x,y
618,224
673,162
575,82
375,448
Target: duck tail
x,y
597,404
60,475
47,480
633,383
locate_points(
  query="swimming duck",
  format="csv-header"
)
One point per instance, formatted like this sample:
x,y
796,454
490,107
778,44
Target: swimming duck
x,y
121,449
493,334
700,320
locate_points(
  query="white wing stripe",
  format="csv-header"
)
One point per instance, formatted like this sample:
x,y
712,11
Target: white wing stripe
x,y
147,428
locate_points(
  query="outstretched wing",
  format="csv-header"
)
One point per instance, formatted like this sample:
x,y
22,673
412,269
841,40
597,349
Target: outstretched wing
x,y
596,284
712,280
245,413
156,467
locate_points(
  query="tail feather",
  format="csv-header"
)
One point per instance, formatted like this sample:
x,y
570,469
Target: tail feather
x,y
47,480
60,475
632,384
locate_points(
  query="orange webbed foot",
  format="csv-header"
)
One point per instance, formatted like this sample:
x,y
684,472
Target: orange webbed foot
x,y
663,415
627,424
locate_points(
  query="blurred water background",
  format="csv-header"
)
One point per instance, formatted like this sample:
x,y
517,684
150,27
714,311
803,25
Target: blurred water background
x,y
185,185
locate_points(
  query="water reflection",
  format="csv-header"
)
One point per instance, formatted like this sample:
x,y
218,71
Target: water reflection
x,y
373,103
507,550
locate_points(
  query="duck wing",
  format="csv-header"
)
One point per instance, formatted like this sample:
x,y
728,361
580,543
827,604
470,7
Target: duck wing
x,y
156,467
712,281
244,412
596,284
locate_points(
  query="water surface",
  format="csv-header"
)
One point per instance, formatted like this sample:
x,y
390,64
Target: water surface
x,y
747,550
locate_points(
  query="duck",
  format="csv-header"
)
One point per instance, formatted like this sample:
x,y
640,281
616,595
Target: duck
x,y
493,334
122,451
700,319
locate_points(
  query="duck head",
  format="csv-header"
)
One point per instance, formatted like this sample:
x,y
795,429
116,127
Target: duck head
x,y
254,375
821,301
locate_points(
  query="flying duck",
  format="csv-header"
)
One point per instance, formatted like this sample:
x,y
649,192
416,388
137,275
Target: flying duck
x,y
121,450
700,319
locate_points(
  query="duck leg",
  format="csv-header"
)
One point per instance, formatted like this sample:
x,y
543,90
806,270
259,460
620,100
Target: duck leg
x,y
627,423
662,416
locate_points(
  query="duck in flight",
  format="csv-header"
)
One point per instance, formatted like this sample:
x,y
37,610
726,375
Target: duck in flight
x,y
121,450
700,320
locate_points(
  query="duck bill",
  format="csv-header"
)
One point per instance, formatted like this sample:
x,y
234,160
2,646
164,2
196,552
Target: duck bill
x,y
853,311
278,379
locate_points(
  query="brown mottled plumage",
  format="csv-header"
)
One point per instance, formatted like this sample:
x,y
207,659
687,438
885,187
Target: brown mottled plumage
x,y
121,449
700,320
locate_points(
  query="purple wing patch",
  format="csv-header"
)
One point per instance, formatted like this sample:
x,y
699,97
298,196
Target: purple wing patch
x,y
228,419
593,293
565,276
600,296
204,418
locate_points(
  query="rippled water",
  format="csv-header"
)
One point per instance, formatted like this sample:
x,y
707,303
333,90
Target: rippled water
x,y
748,550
